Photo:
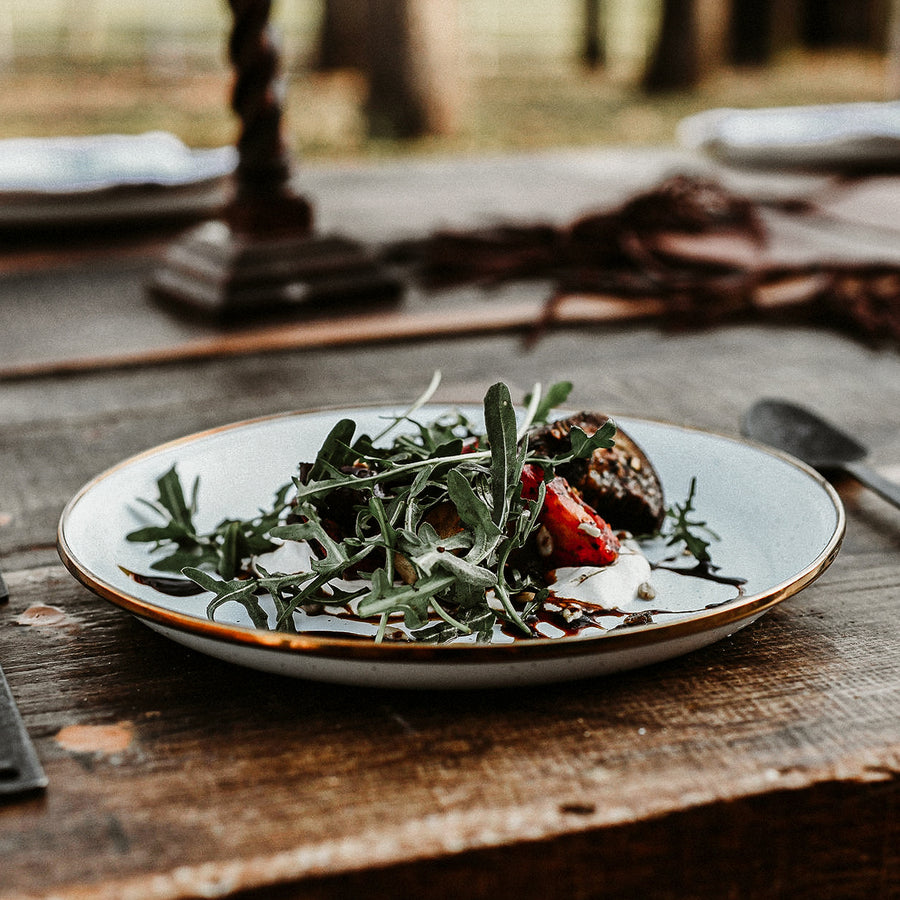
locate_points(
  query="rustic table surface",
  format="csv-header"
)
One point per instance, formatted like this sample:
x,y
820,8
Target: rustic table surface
x,y
767,764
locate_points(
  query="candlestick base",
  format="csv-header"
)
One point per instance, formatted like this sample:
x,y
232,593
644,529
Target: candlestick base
x,y
226,274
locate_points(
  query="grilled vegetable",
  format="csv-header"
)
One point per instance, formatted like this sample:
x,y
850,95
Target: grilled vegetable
x,y
572,534
619,483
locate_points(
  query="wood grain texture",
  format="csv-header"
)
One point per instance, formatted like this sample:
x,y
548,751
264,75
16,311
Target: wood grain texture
x,y
241,780
767,765
248,779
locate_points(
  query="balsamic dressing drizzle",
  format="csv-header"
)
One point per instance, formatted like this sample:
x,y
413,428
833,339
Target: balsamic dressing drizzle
x,y
572,618
568,616
172,587
706,571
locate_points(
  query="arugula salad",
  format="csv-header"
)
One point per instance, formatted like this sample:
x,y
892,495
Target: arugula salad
x,y
452,529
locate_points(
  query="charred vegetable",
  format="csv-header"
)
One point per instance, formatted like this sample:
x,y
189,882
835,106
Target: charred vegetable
x,y
619,482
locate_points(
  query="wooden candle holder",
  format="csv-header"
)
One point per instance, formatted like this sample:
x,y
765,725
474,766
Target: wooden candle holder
x,y
262,255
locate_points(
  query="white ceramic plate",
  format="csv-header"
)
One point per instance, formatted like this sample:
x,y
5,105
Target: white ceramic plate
x,y
112,177
840,135
66,165
779,525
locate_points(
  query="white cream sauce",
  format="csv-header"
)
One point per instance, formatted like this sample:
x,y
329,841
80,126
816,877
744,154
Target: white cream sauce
x,y
606,586
582,594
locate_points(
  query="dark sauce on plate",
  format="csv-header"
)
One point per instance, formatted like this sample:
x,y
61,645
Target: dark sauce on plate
x,y
571,617
707,572
165,584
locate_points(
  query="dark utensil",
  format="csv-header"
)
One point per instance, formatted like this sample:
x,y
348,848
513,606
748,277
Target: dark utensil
x,y
818,443
20,769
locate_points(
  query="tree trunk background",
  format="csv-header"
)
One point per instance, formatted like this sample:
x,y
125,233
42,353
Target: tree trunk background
x,y
712,22
409,52
892,73
593,51
839,23
343,36
674,62
752,32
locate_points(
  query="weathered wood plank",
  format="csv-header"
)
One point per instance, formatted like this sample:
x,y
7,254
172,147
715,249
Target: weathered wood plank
x,y
296,780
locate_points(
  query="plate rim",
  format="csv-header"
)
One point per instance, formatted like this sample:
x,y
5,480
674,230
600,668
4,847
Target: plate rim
x,y
611,641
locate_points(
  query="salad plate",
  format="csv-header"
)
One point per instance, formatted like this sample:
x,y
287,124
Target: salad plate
x,y
778,525
839,135
87,179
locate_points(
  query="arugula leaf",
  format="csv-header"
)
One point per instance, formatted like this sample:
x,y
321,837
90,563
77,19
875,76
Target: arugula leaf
x,y
480,621
191,556
475,514
584,445
234,591
434,552
170,505
336,557
171,498
683,529
386,598
335,451
417,404
155,534
500,425
556,395
231,550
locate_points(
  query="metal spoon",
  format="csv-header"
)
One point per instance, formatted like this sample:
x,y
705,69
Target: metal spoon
x,y
818,443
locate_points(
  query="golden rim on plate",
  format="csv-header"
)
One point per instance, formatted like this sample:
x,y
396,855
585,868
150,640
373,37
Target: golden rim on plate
x,y
739,610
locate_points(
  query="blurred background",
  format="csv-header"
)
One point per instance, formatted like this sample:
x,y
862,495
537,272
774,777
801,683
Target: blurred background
x,y
387,77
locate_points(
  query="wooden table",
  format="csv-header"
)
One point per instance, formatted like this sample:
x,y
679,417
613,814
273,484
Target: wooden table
x,y
767,765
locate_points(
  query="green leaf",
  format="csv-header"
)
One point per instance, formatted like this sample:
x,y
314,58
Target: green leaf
x,y
171,497
556,395
230,552
480,621
335,450
418,403
421,479
428,551
583,445
192,556
402,596
156,534
336,558
684,529
217,586
500,425
475,514
234,591
415,611
477,576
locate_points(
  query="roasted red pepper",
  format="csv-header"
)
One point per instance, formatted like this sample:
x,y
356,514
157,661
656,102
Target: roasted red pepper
x,y
578,535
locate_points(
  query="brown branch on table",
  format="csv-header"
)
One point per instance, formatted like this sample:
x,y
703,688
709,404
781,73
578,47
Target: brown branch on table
x,y
688,242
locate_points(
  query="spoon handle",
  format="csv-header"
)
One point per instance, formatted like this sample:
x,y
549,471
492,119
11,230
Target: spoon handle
x,y
864,474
